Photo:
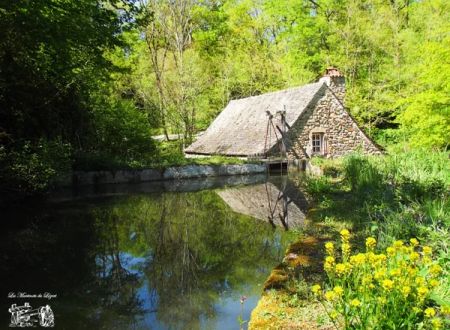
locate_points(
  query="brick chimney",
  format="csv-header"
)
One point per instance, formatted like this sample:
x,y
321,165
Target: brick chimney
x,y
336,81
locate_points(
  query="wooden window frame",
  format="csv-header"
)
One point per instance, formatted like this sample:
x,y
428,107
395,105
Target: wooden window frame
x,y
317,143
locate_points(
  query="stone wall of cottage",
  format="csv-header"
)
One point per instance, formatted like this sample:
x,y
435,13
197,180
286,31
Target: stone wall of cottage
x,y
327,116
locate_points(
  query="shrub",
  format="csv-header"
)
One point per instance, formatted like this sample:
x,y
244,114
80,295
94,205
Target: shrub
x,y
382,291
120,131
31,168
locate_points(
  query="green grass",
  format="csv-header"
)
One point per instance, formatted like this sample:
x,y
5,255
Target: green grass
x,y
393,196
390,197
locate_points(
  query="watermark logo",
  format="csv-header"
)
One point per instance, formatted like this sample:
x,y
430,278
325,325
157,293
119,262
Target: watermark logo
x,y
26,316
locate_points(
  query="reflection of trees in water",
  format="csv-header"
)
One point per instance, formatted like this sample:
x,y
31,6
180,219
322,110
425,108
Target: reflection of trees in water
x,y
190,249
198,249
74,253
174,272
115,285
195,247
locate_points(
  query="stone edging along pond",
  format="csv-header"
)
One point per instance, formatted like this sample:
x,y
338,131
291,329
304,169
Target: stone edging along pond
x,y
170,173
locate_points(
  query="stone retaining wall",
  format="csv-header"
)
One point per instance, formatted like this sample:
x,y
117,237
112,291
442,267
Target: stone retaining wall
x,y
80,178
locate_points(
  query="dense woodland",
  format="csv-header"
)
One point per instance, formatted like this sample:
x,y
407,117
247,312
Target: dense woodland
x,y
86,83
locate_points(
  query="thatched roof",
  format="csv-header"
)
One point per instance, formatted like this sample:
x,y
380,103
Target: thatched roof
x,y
240,129
265,202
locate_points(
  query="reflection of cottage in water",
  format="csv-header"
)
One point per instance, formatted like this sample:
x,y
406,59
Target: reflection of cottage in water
x,y
282,206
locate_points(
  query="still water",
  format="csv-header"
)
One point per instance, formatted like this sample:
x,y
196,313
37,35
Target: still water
x,y
170,255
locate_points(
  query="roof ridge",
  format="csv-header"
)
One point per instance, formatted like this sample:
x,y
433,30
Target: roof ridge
x,y
278,91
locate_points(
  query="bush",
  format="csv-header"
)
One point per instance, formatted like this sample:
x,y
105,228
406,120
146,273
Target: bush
x,y
382,291
120,131
29,169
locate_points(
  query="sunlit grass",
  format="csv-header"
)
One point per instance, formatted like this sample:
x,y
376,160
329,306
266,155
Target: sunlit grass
x,y
390,197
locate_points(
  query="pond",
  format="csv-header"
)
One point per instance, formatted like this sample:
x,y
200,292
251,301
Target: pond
x,y
169,255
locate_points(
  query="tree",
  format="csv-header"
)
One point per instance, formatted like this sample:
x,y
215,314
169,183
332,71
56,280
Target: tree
x,y
51,53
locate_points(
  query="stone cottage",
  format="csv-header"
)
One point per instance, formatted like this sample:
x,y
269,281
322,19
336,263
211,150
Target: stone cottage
x,y
295,123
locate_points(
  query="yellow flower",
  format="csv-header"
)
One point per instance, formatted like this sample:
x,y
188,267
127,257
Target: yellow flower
x,y
414,242
434,283
390,251
406,249
398,244
370,243
316,289
381,257
414,256
422,292
345,250
429,312
435,270
330,295
358,259
355,303
340,269
403,264
379,274
345,235
328,268
445,309
371,257
334,315
420,281
406,290
329,263
338,290
329,247
388,285
436,323
426,260
427,250
367,279
395,272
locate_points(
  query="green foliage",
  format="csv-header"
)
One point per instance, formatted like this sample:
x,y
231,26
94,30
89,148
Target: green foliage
x,y
362,176
395,196
426,116
102,75
56,86
243,48
318,185
51,53
410,176
382,291
121,130
30,169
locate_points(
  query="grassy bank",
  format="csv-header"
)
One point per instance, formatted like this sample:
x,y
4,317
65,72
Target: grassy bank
x,y
389,198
